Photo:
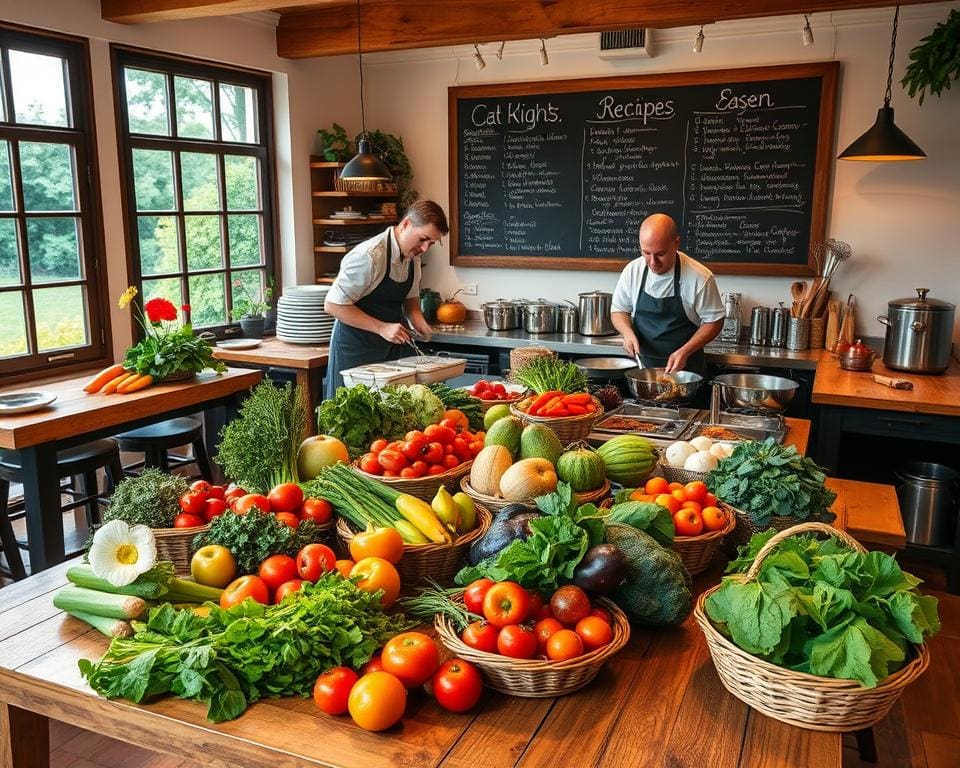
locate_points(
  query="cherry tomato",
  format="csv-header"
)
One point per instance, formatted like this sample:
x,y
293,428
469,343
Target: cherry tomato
x,y
332,690
601,613
245,503
377,542
314,560
410,473
193,502
370,464
392,461
374,665
517,641
432,453
288,518
286,497
378,445
318,510
421,467
481,635
217,492
437,433
377,701
474,593
450,461
506,603
457,686
377,574
543,629
240,589
277,569
412,656
594,632
564,644
213,507
186,520
436,469
200,486
287,588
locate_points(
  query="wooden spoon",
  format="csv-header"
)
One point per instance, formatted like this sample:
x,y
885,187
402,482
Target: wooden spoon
x,y
797,289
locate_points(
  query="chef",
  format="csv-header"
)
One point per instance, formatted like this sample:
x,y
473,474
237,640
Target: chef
x,y
666,305
377,286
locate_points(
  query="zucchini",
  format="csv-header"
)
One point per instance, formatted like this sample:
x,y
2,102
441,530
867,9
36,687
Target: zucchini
x,y
72,598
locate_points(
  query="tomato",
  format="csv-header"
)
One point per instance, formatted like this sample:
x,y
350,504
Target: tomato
x,y
213,565
457,686
543,629
563,645
377,542
240,589
377,701
714,518
217,492
412,657
344,567
193,502
392,461
286,497
420,466
461,449
452,424
450,461
474,593
233,493
287,588
475,447
694,505
458,417
370,464
680,494
517,641
433,453
288,518
377,574
437,433
374,665
277,569
201,486
378,445
536,602
602,613
213,507
481,635
185,520
396,445
669,501
413,446
688,522
594,632
544,613
709,500
314,560
332,690
674,487
410,473
696,490
656,485
506,603
436,469
570,604
318,510
245,503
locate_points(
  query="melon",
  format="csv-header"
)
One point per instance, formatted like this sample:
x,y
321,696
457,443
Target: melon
x,y
538,441
527,479
488,467
505,432
581,467
629,459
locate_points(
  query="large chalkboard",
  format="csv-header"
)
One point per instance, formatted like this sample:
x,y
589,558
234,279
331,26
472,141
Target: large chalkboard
x,y
560,174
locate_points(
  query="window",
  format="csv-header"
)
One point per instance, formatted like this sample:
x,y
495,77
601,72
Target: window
x,y
196,156
51,300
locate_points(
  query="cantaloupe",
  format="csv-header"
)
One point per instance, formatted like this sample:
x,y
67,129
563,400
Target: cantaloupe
x,y
488,468
527,479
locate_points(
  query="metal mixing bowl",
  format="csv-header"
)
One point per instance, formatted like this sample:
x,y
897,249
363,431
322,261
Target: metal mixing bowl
x,y
656,385
605,367
755,392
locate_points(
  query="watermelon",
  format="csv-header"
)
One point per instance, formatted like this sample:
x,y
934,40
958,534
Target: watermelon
x,y
629,459
505,432
538,441
581,467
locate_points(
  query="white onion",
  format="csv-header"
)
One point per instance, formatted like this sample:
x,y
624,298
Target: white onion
x,y
702,443
721,450
701,461
678,453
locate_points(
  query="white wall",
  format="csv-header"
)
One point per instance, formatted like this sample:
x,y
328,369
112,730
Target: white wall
x,y
902,219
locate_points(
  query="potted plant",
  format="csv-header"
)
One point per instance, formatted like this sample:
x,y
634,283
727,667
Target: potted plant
x,y
935,61
249,310
390,149
335,146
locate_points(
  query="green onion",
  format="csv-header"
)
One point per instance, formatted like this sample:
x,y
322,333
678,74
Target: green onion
x,y
546,374
435,600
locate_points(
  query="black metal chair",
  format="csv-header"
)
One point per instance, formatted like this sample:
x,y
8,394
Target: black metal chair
x,y
81,464
156,440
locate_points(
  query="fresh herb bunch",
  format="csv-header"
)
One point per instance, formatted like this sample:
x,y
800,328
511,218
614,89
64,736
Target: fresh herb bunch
x,y
433,600
245,305
822,608
258,449
935,60
235,657
459,399
150,498
253,537
546,374
766,479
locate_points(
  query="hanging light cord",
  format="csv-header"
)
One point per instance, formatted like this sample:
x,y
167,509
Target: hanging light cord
x,y
363,117
893,48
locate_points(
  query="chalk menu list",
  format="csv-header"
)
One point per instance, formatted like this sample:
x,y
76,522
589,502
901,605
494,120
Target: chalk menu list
x,y
561,174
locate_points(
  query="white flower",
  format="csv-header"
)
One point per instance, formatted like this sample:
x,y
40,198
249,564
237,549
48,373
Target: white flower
x,y
120,552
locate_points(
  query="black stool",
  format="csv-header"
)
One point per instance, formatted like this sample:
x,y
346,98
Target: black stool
x,y
155,440
81,462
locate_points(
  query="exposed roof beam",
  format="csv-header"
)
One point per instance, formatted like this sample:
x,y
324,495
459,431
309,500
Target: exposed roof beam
x,y
137,11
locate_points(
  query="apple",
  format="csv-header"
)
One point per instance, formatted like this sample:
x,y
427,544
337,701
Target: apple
x,y
317,452
213,565
688,522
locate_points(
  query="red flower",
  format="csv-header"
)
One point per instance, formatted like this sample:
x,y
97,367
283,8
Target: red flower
x,y
160,309
185,308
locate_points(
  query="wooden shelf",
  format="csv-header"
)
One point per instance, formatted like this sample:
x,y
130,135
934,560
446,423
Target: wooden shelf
x,y
344,193
354,222
325,280
329,249
325,164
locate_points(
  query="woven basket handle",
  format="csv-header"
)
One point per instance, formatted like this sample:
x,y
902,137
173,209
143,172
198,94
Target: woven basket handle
x,y
829,530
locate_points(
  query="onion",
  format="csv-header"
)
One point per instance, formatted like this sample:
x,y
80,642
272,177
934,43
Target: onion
x,y
678,453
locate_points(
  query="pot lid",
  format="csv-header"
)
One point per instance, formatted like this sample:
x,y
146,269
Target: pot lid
x,y
501,304
921,302
592,294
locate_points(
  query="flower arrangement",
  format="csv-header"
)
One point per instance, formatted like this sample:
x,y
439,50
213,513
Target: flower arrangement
x,y
166,348
245,305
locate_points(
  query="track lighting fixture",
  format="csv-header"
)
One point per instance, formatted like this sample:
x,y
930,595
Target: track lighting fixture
x,y
698,41
477,57
544,60
807,32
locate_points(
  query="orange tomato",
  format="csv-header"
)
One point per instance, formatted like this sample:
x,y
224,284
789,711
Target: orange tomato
x,y
709,500
688,522
458,417
696,490
714,518
691,505
679,494
674,486
656,485
638,496
377,542
377,701
344,567
669,501
564,644
377,574
594,632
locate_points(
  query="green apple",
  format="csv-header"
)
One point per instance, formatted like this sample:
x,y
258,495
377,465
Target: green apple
x,y
495,413
213,565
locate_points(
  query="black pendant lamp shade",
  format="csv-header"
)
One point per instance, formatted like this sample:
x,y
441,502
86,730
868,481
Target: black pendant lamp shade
x,y
884,142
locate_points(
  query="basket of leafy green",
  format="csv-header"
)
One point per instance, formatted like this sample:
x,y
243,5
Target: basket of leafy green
x,y
817,634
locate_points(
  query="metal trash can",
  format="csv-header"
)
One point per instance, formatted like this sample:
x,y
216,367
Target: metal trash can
x,y
928,495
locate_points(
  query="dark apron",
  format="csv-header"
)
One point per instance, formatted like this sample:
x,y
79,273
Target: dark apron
x,y
662,327
350,347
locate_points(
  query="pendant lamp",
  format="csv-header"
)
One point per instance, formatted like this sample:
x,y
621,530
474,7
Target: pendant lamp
x,y
884,142
365,166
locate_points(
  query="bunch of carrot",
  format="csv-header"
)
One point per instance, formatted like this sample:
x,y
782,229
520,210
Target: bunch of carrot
x,y
117,379
556,403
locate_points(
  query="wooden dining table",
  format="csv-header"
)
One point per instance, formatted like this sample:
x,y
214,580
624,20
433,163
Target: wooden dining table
x,y
76,417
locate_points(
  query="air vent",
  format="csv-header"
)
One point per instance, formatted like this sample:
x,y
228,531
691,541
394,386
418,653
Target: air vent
x,y
626,44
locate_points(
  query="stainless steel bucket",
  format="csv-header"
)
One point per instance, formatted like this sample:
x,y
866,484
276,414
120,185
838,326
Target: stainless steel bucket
x,y
928,495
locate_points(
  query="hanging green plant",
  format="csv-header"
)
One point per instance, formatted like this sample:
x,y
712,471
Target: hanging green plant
x,y
935,61
390,148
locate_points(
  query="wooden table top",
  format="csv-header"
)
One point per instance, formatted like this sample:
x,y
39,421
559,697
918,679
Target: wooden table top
x,y
870,512
930,394
658,702
278,353
74,412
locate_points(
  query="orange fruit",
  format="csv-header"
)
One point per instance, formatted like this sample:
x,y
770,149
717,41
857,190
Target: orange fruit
x,y
696,490
656,485
714,518
638,495
691,505
669,501
674,486
679,494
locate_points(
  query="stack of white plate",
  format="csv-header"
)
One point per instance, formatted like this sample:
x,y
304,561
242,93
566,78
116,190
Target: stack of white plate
x,y
300,315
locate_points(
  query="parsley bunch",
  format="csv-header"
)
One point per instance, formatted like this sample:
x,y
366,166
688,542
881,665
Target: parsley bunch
x,y
150,498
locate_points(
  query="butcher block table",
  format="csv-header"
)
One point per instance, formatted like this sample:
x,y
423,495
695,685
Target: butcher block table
x,y
76,417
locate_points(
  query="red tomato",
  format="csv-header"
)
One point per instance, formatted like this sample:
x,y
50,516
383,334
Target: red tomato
x,y
696,490
436,469
688,522
392,461
570,604
544,613
277,569
370,464
498,387
314,560
563,645
287,588
506,603
475,447
332,690
200,486
240,589
437,433
318,510
433,453
474,593
450,461
413,446
602,613
213,507
421,467
245,503
709,500
410,472
185,520
452,424
374,665
457,685
543,629
517,641
288,518
481,635
536,602
193,502
233,493
286,497
217,492
412,657
594,632
378,445
461,449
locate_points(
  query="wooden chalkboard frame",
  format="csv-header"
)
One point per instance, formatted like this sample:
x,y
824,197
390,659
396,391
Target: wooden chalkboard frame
x,y
828,71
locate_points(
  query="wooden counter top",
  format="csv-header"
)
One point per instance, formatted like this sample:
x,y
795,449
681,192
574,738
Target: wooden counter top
x,y
278,353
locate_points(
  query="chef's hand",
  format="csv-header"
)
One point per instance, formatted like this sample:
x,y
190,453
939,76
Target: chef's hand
x,y
676,361
394,332
631,346
423,328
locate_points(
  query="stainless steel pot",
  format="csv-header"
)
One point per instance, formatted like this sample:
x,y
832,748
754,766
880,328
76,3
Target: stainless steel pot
x,y
755,392
540,317
928,495
919,333
502,315
656,385
569,318
595,309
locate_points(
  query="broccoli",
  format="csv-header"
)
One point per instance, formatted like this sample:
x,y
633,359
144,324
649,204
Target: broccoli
x,y
657,587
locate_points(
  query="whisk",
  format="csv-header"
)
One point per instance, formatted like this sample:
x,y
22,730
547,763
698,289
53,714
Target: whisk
x,y
830,255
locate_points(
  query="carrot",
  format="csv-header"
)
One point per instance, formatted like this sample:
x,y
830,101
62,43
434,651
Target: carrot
x,y
576,410
104,377
590,407
113,384
579,398
558,410
542,411
135,384
541,400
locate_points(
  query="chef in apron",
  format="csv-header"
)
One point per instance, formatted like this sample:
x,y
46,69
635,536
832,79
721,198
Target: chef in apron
x,y
666,305
377,286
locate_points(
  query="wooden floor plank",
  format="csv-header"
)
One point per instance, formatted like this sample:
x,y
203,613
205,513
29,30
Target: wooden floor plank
x,y
942,751
897,745
772,744
932,702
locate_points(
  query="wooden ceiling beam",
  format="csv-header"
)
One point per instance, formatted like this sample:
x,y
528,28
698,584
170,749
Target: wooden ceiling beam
x,y
390,25
138,11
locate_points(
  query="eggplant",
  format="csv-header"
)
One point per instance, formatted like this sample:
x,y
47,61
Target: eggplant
x,y
602,569
511,522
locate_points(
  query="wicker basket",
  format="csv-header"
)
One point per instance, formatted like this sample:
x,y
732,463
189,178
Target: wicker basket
x,y
436,562
521,356
495,503
178,376
679,475
422,487
174,544
486,405
568,428
797,698
746,527
537,678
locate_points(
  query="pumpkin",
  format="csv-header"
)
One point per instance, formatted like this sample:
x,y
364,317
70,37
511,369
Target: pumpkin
x,y
488,467
451,313
527,479
581,467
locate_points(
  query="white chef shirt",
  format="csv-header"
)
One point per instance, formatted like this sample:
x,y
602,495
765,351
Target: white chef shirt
x,y
698,289
362,269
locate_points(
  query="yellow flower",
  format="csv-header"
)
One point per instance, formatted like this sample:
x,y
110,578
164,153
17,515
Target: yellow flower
x,y
126,297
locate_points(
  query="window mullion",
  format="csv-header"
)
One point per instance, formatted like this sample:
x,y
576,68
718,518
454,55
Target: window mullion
x,y
33,343
181,217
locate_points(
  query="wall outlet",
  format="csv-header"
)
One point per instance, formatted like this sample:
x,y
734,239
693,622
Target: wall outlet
x,y
470,289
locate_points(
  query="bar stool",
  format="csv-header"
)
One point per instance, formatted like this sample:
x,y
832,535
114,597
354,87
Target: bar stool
x,y
81,462
155,440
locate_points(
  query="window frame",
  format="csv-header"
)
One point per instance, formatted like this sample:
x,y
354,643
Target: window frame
x,y
171,66
81,137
